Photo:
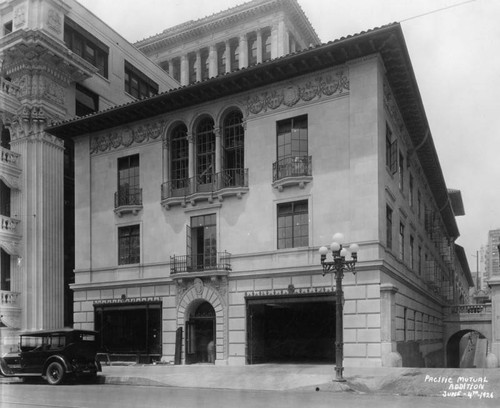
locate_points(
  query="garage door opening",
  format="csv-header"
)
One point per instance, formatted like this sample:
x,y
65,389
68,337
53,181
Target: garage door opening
x,y
297,330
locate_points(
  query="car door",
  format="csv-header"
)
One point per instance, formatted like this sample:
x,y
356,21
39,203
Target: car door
x,y
33,354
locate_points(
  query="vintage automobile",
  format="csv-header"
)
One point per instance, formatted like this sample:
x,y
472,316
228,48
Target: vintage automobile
x,y
54,355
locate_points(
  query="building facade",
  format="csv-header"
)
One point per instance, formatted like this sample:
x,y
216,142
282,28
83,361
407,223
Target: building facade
x,y
199,211
58,61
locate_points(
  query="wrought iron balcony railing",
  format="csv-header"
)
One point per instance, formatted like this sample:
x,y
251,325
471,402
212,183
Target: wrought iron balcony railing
x,y
128,196
292,167
219,261
209,182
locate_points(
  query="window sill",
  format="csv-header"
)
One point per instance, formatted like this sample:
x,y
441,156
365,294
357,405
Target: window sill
x,y
299,181
126,209
209,196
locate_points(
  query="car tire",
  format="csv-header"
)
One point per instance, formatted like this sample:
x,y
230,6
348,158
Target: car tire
x,y
55,373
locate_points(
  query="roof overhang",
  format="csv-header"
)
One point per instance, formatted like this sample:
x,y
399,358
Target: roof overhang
x,y
387,41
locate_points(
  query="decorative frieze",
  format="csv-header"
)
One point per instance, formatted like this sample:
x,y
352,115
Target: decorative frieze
x,y
328,84
125,137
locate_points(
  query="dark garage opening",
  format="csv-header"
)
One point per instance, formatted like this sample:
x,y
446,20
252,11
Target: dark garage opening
x,y
295,329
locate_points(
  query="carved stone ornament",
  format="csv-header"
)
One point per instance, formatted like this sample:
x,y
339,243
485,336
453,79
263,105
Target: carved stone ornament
x,y
198,285
19,17
54,21
126,137
329,84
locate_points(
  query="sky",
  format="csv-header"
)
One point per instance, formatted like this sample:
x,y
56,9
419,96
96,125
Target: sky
x,y
454,46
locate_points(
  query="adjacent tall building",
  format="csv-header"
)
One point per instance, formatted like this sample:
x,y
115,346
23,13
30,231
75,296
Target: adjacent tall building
x,y
212,174
58,61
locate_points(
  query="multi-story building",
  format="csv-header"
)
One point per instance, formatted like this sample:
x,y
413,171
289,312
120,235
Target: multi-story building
x,y
491,256
199,211
58,61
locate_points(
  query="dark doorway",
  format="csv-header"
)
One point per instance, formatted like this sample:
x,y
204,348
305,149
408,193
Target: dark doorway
x,y
200,335
465,349
130,330
291,330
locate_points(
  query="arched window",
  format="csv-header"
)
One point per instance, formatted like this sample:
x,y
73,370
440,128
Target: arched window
x,y
233,157
205,154
179,157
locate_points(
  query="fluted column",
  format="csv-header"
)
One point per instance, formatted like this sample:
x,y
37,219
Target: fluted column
x,y
259,46
166,159
243,44
42,221
228,56
212,61
198,66
184,70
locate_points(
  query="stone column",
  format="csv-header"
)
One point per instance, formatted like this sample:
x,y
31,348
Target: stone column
x,y
171,68
389,354
41,204
243,63
494,284
184,70
212,61
228,56
259,46
218,150
198,65
166,159
192,158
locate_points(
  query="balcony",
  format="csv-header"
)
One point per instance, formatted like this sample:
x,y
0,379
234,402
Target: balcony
x,y
8,226
200,265
9,299
9,101
209,186
128,200
292,171
9,167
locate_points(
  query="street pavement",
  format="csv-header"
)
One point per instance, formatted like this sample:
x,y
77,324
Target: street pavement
x,y
447,382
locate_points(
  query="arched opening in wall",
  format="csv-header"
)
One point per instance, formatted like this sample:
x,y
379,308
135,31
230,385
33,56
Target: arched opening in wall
x,y
291,329
200,333
466,349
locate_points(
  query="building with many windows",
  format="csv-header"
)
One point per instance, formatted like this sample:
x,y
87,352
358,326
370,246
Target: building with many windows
x,y
199,211
57,62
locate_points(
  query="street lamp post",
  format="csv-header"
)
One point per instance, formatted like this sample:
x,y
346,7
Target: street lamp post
x,y
338,266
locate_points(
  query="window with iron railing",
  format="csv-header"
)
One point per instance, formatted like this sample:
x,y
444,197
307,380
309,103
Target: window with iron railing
x,y
129,191
292,149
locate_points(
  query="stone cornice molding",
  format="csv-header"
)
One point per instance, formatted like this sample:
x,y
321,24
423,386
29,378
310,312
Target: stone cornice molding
x,y
328,84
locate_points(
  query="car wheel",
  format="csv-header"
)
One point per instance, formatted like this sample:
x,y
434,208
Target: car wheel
x,y
55,373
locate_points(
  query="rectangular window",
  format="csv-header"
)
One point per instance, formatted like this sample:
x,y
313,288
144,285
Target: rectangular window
x,y
202,242
5,270
85,45
410,192
391,148
137,84
87,102
7,28
266,49
205,64
4,199
412,253
388,216
401,241
129,192
129,248
292,148
419,260
401,171
419,205
221,59
293,224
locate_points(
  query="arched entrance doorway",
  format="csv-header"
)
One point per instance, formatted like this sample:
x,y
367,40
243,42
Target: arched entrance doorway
x,y
466,349
200,334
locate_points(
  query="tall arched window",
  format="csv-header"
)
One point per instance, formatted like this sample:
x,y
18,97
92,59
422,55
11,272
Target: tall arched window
x,y
179,157
233,150
205,154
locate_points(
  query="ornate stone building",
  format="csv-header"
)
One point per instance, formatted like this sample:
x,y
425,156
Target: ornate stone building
x,y
199,209
57,61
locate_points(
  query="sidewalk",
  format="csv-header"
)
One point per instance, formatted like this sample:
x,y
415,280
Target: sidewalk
x,y
281,377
